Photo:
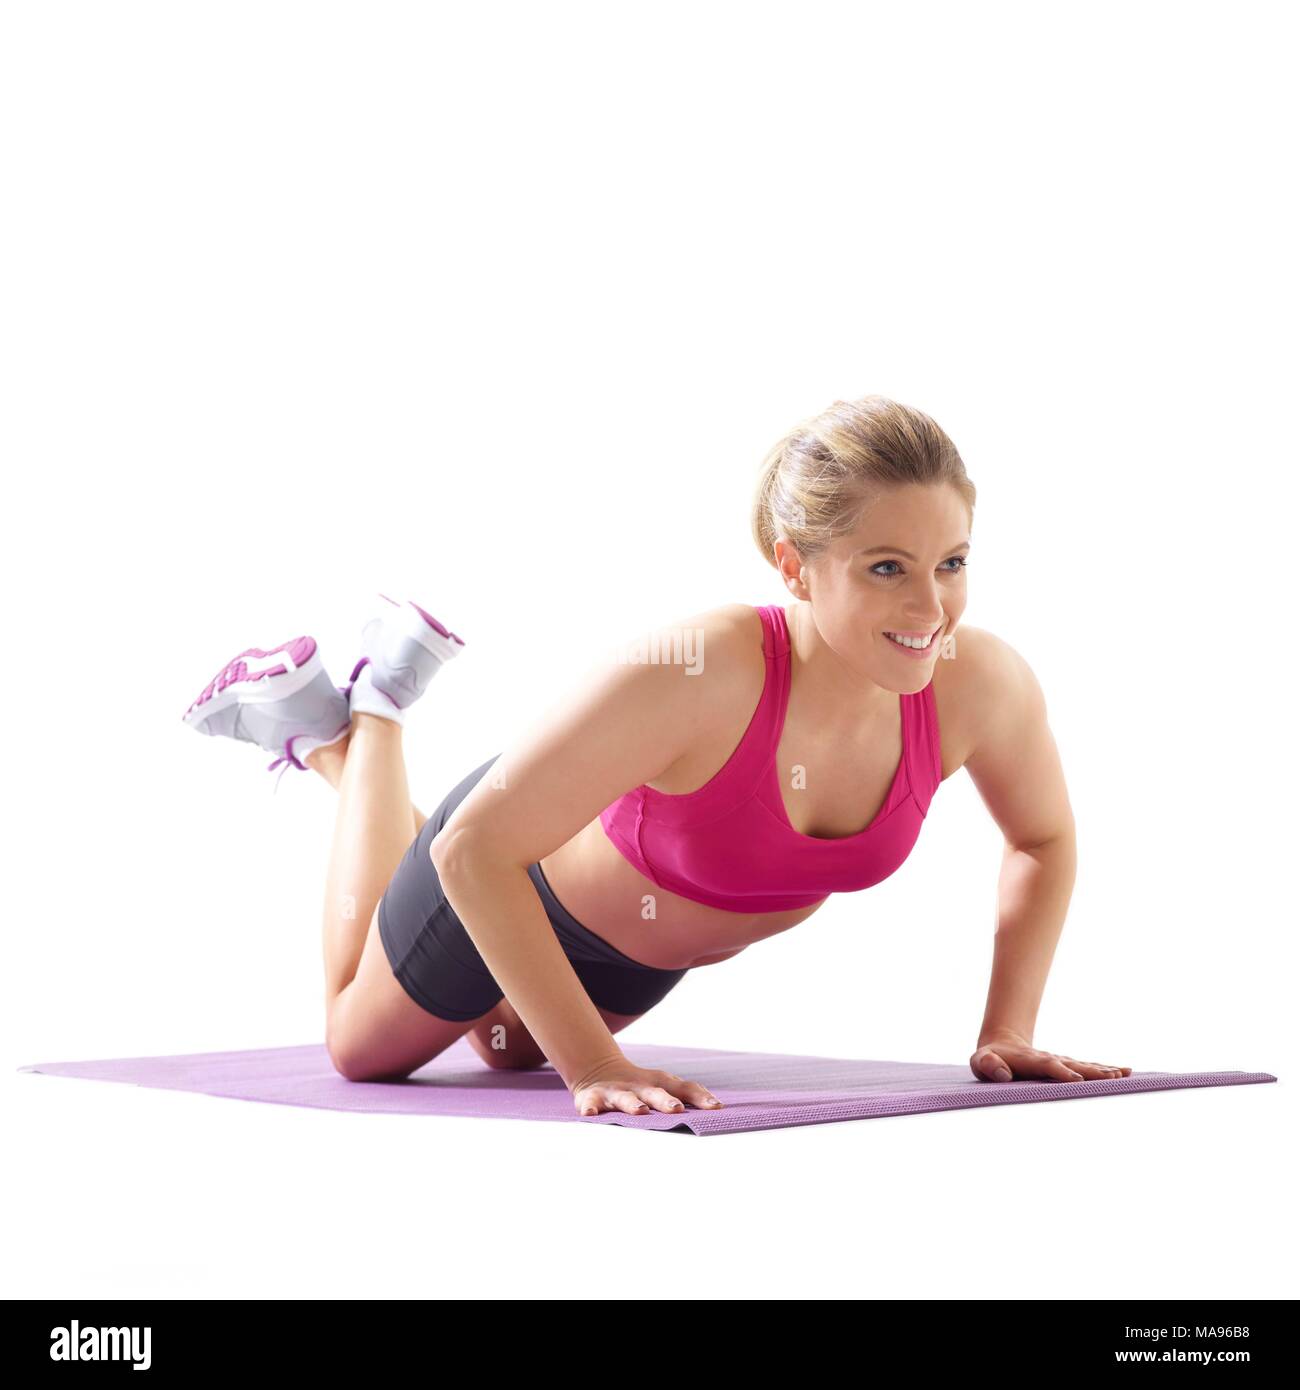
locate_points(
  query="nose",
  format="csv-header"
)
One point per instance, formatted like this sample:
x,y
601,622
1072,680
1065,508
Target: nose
x,y
924,621
933,613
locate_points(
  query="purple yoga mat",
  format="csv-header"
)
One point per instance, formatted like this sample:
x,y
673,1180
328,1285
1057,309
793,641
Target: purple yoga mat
x,y
759,1090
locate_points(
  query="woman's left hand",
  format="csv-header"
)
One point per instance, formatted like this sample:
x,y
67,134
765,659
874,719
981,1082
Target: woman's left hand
x,y
1008,1056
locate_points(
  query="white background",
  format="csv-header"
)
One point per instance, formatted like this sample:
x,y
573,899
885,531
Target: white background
x,y
499,307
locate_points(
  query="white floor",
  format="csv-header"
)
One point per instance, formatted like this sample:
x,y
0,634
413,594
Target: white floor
x,y
119,1191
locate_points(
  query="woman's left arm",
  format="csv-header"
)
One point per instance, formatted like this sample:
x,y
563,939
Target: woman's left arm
x,y
1016,769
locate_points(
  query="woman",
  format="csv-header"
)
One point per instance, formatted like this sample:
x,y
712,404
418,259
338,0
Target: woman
x,y
710,788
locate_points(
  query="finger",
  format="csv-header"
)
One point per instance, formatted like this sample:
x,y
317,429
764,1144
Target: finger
x,y
688,1091
992,1067
588,1102
691,1092
695,1094
628,1102
660,1099
1092,1071
1059,1070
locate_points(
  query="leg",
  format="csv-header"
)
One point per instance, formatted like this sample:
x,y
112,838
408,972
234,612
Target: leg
x,y
373,828
402,1036
374,1030
501,1039
329,762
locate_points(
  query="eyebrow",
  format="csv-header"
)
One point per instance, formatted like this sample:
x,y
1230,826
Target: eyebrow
x,y
898,550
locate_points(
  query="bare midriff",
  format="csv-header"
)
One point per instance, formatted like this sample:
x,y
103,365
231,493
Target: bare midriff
x,y
614,899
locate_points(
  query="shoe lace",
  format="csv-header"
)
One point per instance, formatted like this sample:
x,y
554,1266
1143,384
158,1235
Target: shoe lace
x,y
288,760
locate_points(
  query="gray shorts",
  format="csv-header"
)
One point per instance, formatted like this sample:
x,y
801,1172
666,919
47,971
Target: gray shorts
x,y
439,966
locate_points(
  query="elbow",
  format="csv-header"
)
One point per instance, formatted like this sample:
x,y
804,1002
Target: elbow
x,y
1062,842
447,852
455,852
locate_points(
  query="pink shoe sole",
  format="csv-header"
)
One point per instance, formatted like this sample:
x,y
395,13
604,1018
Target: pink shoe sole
x,y
293,664
428,618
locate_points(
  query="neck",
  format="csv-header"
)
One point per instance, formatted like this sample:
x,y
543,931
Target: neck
x,y
831,692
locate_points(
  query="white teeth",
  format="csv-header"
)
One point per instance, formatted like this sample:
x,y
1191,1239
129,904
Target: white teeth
x,y
916,643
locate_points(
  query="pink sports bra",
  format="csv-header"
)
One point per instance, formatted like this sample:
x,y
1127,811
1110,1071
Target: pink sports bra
x,y
730,843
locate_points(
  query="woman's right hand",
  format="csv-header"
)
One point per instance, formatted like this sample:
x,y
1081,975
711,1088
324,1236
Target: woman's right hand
x,y
621,1085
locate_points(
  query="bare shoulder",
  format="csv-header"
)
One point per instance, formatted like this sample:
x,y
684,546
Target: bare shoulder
x,y
735,630
982,691
723,663
720,643
696,663
721,653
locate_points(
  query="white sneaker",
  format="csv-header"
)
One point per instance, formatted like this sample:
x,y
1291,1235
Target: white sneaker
x,y
403,648
282,700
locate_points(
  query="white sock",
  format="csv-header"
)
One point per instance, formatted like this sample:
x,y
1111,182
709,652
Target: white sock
x,y
306,744
365,699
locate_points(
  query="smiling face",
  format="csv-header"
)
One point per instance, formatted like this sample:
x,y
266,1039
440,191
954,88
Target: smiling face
x,y
901,571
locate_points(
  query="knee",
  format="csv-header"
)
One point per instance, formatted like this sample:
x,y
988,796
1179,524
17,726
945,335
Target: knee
x,y
344,1064
361,1070
349,1061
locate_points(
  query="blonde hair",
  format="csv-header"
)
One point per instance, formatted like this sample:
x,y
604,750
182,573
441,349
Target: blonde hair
x,y
817,481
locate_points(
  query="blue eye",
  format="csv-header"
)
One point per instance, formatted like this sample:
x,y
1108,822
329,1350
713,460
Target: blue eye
x,y
958,560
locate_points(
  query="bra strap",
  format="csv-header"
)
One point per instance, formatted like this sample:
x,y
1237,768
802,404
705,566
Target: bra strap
x,y
776,638
776,687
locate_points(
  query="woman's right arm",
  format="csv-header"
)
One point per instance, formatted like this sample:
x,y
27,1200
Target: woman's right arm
x,y
626,724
